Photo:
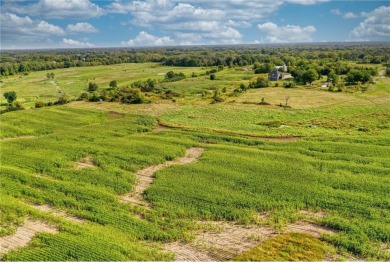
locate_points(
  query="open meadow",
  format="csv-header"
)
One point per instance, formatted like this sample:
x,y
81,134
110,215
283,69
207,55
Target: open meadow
x,y
305,176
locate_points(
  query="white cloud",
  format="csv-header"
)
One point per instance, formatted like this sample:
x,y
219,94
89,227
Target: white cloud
x,y
306,2
145,39
336,12
15,29
243,24
75,43
81,28
347,15
350,15
58,9
208,22
376,26
286,34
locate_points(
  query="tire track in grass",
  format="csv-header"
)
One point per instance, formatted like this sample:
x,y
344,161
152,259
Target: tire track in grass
x,y
145,176
24,234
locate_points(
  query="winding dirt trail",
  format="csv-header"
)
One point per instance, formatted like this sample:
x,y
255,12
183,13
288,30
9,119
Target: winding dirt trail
x,y
146,176
24,234
58,213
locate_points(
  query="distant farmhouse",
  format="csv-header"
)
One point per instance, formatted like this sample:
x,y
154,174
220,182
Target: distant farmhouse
x,y
276,75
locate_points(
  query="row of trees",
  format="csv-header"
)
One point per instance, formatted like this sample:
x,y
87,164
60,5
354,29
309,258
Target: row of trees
x,y
14,62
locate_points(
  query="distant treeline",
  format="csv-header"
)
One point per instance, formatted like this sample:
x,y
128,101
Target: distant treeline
x,y
24,61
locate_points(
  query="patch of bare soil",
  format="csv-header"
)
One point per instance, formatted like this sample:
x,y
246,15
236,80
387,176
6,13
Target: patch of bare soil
x,y
58,213
145,176
281,139
114,115
222,244
310,215
187,252
223,241
86,162
160,128
24,234
309,228
16,138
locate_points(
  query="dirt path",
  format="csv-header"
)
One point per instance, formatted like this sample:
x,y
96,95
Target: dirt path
x,y
222,243
226,240
86,162
16,138
58,213
146,176
24,234
310,229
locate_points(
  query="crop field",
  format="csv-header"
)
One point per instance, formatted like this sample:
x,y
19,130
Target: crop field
x,y
322,162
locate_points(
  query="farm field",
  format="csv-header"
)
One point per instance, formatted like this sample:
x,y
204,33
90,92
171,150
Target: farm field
x,y
305,182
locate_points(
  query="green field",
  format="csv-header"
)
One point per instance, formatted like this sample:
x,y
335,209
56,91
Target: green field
x,y
334,159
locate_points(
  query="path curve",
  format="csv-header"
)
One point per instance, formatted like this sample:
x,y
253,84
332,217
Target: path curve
x,y
145,176
24,234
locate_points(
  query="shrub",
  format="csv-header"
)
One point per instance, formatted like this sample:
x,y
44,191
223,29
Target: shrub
x,y
92,87
63,99
113,84
144,86
39,104
132,96
10,96
172,76
217,96
212,76
388,71
84,96
288,84
259,83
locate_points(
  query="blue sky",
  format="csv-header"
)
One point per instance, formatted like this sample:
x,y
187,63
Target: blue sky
x,y
132,23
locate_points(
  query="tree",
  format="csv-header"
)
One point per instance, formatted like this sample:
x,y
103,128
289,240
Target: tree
x,y
113,84
333,78
92,87
10,96
309,76
212,76
355,75
387,71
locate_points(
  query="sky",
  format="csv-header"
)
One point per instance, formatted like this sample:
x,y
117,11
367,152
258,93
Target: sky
x,y
31,24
